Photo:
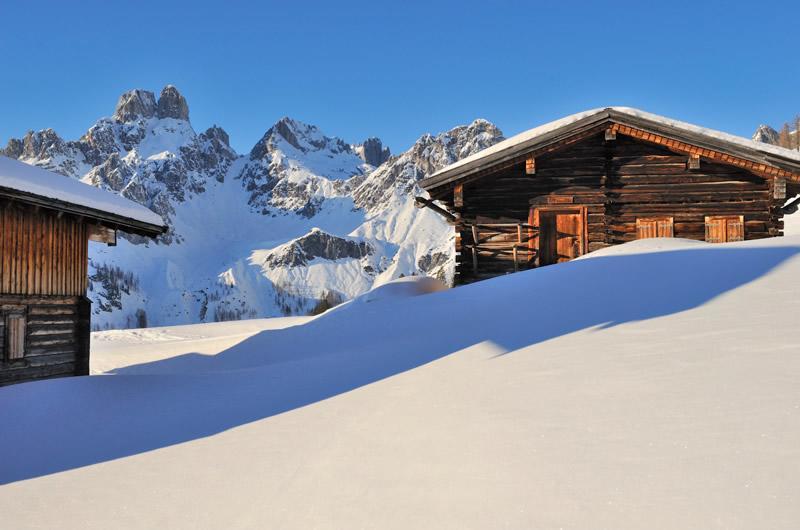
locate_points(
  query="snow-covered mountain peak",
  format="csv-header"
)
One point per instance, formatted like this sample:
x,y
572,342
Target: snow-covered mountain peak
x,y
300,136
396,179
766,134
295,167
242,241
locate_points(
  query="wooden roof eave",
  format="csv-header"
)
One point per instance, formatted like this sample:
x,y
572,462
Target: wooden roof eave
x,y
513,152
126,224
707,142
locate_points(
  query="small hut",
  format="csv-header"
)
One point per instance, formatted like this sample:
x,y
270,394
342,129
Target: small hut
x,y
46,222
604,177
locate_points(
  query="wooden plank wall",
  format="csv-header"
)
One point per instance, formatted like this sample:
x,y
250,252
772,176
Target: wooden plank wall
x,y
619,181
53,346
650,181
42,253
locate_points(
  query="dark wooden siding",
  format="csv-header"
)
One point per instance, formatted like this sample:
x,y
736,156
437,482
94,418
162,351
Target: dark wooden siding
x,y
56,338
43,279
42,253
618,181
650,181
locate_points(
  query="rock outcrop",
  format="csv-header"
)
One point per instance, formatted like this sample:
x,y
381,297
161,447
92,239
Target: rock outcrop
x,y
171,104
317,244
373,152
135,104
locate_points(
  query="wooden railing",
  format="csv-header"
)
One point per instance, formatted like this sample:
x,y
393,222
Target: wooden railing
x,y
502,239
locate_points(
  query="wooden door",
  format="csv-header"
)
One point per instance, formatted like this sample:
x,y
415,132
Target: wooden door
x,y
561,233
724,228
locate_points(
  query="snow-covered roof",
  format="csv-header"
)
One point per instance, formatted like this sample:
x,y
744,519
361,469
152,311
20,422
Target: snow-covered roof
x,y
27,182
544,134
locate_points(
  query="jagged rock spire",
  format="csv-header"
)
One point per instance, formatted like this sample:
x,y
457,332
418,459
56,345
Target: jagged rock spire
x,y
135,104
138,103
373,152
171,104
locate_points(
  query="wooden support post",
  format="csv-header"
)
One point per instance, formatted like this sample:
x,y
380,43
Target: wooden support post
x,y
83,334
530,165
458,196
475,249
611,134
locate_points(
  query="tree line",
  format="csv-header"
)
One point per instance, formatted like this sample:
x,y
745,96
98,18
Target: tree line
x,y
790,138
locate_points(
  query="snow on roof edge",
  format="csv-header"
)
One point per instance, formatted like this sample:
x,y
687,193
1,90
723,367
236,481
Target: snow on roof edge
x,y
33,180
526,136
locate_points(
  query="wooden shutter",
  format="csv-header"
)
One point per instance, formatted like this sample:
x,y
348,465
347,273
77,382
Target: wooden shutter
x,y
724,228
654,227
734,228
15,329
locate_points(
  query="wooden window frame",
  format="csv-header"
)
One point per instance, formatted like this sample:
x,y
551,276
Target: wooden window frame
x,y
725,218
642,220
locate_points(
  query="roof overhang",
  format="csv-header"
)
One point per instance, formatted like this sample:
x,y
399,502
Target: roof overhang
x,y
117,222
552,137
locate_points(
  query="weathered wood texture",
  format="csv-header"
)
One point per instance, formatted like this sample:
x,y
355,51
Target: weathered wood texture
x,y
44,314
42,252
618,181
55,342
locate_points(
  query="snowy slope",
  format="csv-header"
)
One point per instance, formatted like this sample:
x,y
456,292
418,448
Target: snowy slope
x,y
655,388
232,216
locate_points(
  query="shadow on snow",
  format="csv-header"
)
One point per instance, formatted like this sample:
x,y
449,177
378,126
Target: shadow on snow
x,y
63,424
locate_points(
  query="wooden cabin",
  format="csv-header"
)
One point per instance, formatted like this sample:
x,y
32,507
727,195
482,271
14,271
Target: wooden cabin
x,y
46,223
604,177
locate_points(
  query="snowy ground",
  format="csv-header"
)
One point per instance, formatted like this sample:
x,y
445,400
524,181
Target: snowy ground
x,y
652,385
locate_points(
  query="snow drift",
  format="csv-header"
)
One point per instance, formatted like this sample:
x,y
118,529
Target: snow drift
x,y
652,386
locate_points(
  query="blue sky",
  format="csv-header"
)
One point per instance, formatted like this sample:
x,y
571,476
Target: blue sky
x,y
399,69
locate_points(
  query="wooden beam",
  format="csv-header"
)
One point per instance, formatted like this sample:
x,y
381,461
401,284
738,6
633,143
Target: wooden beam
x,y
530,165
458,195
611,134
694,161
102,234
422,202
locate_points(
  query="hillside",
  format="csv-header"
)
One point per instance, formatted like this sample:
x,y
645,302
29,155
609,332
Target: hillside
x,y
302,217
653,384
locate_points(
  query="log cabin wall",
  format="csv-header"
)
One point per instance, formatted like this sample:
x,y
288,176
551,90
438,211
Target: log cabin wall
x,y
618,181
651,181
44,314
